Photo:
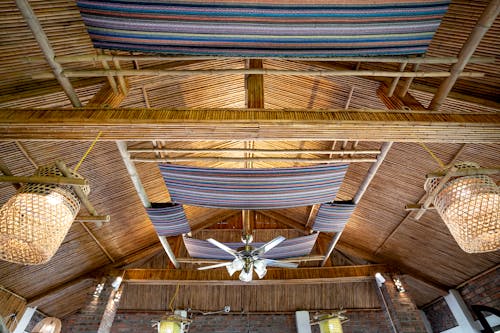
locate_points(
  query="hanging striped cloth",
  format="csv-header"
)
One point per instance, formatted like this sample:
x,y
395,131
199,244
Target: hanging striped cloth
x,y
289,248
253,188
168,219
332,217
264,28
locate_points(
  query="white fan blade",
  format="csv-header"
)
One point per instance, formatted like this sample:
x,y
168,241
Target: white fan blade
x,y
277,263
222,247
269,245
222,264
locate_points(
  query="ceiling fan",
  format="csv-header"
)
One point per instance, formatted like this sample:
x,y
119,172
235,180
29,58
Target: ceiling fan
x,y
247,258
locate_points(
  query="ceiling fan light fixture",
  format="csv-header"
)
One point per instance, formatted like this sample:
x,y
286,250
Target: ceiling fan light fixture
x,y
246,273
235,266
260,268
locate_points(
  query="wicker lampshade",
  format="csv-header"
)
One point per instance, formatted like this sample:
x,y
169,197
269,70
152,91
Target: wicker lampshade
x,y
34,222
48,325
469,206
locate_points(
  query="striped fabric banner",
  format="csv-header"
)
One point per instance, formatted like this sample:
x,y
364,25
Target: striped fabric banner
x,y
264,28
253,188
168,219
332,217
289,248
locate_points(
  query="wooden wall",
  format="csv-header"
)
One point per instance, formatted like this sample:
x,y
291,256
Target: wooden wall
x,y
10,304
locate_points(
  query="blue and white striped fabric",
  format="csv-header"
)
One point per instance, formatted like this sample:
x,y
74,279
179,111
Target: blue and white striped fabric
x,y
289,248
253,188
332,217
168,219
264,28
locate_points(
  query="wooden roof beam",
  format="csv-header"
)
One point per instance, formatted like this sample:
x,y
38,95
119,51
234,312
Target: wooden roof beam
x,y
484,23
286,221
247,124
274,276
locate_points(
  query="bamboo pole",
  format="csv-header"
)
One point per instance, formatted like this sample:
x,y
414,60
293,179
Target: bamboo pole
x,y
44,180
483,24
111,79
6,171
48,52
79,192
406,86
395,81
386,146
98,242
255,151
465,172
388,59
141,192
121,80
252,159
430,196
93,219
172,72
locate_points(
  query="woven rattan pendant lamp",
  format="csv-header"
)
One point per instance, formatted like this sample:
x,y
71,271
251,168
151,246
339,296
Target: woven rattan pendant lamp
x,y
469,206
34,222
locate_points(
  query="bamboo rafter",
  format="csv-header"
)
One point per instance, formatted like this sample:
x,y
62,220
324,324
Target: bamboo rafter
x,y
159,72
248,124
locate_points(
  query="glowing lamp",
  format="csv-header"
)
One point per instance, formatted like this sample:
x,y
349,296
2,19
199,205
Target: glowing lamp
x,y
331,325
169,326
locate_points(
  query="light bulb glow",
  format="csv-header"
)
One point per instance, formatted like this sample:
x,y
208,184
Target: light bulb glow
x,y
260,268
246,275
332,325
169,326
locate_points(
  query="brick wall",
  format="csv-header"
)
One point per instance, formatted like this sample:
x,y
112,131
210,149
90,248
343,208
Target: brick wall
x,y
484,290
360,322
404,313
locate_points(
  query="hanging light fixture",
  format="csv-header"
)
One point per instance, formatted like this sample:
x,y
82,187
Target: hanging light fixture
x,y
48,325
330,323
170,324
34,222
469,206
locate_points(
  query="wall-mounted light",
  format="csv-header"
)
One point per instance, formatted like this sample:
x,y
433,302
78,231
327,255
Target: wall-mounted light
x,y
117,282
380,279
399,285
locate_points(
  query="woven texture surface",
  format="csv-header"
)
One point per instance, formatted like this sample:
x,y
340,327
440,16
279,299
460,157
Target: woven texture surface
x,y
264,28
332,217
34,222
293,247
470,208
169,220
253,188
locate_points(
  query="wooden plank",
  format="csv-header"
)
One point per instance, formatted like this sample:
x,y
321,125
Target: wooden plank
x,y
441,289
286,221
51,294
274,276
247,124
213,220
255,85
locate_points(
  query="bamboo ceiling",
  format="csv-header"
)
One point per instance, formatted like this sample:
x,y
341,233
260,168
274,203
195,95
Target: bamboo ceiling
x,y
380,230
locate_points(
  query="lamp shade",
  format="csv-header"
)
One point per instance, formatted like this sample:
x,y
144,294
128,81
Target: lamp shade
x,y
469,206
34,222
48,325
332,325
169,326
